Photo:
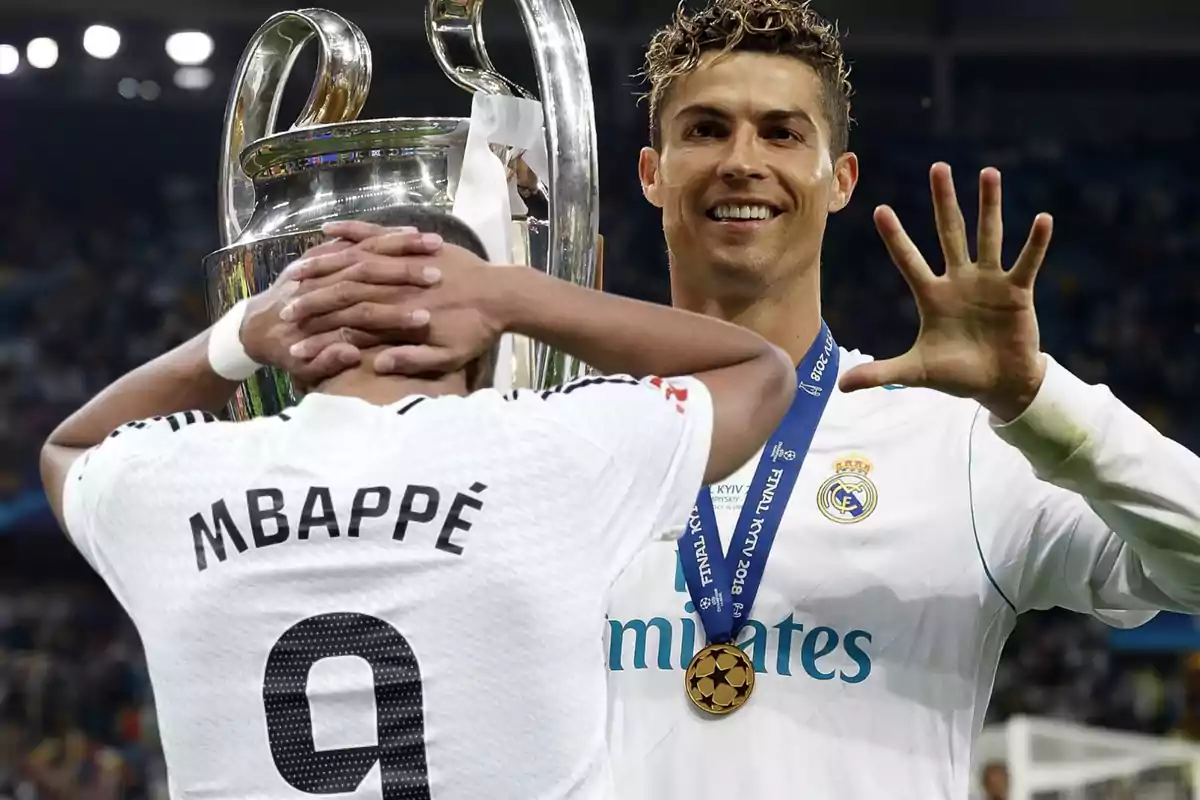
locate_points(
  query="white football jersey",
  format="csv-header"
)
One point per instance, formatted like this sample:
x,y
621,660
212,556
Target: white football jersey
x,y
917,531
388,603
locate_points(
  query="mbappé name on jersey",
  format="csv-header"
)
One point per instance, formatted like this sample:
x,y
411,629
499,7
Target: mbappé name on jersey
x,y
273,516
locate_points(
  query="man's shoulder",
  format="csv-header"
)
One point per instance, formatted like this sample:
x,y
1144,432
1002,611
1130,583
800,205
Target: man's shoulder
x,y
144,450
162,436
159,430
611,402
169,423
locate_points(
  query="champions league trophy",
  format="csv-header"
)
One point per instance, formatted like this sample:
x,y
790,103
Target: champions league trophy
x,y
277,189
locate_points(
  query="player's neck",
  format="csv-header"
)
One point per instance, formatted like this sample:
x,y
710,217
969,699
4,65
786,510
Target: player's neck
x,y
383,390
788,317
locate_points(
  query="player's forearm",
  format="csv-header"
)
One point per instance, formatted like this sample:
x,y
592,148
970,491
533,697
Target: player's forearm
x,y
1144,486
180,380
618,335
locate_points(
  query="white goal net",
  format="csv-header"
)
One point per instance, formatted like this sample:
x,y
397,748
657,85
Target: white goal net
x,y
1049,759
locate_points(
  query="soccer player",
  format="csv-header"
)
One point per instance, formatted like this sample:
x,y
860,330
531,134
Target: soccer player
x,y
882,545
944,491
396,589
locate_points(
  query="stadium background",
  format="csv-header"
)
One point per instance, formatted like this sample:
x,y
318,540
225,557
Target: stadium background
x,y
107,203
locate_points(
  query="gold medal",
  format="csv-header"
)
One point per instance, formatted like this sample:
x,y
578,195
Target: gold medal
x,y
720,678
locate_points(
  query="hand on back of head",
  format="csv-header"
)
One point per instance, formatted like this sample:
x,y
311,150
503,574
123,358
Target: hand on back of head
x,y
411,302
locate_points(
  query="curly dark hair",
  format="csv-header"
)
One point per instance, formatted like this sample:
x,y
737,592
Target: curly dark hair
x,y
785,27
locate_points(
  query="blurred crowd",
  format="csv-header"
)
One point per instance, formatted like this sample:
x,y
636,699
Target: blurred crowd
x,y
84,298
76,717
97,280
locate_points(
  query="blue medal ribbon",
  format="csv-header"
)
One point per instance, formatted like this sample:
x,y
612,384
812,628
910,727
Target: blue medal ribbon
x,y
723,587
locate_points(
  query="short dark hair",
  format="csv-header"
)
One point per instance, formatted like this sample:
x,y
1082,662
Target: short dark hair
x,y
781,27
429,220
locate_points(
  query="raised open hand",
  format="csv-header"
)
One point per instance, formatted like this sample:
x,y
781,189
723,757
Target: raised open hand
x,y
979,333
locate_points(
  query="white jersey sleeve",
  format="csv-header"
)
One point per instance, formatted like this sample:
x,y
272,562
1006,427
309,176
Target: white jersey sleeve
x,y
99,478
1102,511
657,432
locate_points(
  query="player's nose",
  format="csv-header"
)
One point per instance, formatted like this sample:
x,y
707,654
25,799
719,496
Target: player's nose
x,y
743,157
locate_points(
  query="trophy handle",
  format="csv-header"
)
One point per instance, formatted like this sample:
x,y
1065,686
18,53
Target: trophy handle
x,y
337,95
456,36
455,33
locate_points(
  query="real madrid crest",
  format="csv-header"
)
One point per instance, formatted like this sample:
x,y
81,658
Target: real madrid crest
x,y
848,496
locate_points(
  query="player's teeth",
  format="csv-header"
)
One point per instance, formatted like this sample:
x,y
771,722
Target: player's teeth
x,y
742,212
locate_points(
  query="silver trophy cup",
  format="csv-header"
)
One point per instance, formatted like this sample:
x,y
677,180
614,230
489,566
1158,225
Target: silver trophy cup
x,y
277,189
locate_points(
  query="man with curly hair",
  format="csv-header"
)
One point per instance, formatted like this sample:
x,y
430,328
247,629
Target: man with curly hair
x,y
909,514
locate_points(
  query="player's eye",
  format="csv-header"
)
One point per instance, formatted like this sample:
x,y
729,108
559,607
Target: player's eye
x,y
784,134
704,130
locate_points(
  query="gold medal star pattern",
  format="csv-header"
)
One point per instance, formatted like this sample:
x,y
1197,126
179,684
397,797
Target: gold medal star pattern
x,y
720,678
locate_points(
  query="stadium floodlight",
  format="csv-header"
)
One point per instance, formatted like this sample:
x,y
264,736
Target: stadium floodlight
x,y
193,78
10,59
189,48
101,41
42,53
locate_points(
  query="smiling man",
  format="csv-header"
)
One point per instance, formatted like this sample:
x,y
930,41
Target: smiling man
x,y
880,548
744,215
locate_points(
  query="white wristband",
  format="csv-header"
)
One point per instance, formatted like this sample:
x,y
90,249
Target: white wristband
x,y
226,355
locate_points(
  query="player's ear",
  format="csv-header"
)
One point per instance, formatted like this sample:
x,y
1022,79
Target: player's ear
x,y
844,179
648,162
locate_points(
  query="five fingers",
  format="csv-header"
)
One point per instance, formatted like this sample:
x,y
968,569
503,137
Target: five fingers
x,y
951,229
